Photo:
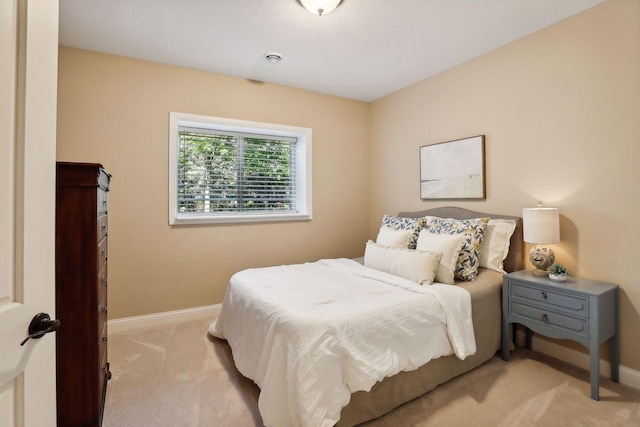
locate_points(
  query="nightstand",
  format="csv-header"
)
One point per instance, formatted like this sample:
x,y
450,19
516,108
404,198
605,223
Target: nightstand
x,y
580,310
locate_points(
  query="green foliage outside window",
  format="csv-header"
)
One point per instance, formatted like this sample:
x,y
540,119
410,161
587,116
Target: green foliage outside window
x,y
222,173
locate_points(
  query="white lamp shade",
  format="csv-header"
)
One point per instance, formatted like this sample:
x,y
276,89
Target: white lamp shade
x,y
541,225
320,7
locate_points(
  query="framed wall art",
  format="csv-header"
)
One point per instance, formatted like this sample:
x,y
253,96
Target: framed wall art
x,y
453,169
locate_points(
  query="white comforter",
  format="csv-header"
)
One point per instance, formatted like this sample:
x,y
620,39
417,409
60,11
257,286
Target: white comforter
x,y
311,334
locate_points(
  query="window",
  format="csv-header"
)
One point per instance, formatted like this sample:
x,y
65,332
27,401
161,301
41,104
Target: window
x,y
224,170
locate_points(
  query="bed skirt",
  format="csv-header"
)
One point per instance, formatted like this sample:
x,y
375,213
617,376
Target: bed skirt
x,y
406,386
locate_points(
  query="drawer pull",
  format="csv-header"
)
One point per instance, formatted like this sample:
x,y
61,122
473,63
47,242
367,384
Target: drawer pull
x,y
104,227
104,339
104,203
545,318
104,281
104,254
543,294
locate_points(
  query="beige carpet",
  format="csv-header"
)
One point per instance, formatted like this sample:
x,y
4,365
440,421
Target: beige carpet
x,y
177,376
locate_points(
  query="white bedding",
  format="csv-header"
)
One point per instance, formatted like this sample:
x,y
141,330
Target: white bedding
x,y
311,334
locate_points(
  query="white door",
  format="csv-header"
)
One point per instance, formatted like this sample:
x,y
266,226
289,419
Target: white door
x,y
28,87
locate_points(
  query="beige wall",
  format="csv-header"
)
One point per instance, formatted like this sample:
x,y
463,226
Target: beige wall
x,y
561,113
115,111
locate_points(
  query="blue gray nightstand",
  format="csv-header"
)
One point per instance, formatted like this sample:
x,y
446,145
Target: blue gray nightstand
x,y
581,310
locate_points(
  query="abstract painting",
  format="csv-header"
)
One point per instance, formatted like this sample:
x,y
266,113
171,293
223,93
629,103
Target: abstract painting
x,y
453,169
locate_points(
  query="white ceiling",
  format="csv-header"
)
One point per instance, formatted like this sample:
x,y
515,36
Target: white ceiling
x,y
363,50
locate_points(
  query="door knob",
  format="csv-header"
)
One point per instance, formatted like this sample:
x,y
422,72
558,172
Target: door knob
x,y
41,324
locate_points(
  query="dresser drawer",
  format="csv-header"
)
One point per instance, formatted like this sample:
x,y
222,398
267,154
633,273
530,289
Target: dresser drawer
x,y
103,180
574,305
103,377
102,319
103,373
102,287
102,227
551,319
102,201
102,253
102,345
103,333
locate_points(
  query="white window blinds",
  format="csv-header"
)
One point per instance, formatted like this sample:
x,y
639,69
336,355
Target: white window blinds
x,y
222,172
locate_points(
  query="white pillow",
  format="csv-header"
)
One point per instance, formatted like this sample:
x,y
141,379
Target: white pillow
x,y
387,236
495,247
450,245
411,264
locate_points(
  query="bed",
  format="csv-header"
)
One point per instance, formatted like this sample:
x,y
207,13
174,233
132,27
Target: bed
x,y
381,389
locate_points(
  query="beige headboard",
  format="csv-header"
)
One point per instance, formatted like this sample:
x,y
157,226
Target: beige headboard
x,y
514,260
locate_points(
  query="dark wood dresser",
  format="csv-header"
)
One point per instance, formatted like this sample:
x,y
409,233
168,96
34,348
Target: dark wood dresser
x,y
81,293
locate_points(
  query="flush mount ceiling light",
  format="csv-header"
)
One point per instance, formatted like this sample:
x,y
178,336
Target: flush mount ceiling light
x,y
273,57
320,7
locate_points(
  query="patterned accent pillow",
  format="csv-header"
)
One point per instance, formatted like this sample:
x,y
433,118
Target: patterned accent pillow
x,y
402,223
473,229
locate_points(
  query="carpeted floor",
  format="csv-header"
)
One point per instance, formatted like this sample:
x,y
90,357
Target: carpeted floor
x,y
177,376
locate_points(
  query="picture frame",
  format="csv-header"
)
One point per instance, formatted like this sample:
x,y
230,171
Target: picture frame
x,y
453,169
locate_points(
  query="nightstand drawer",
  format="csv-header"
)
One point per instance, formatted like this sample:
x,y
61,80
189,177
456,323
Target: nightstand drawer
x,y
551,319
574,304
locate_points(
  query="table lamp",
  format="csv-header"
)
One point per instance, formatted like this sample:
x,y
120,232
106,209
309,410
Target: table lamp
x,y
541,226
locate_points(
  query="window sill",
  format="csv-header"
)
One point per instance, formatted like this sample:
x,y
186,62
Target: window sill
x,y
238,218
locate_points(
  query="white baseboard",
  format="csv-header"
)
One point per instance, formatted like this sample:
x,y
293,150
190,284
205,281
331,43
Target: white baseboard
x,y
629,377
130,323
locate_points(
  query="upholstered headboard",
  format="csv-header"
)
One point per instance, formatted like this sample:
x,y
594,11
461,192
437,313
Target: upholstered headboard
x,y
513,261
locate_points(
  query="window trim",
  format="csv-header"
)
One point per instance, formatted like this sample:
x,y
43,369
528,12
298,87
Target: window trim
x,y
303,169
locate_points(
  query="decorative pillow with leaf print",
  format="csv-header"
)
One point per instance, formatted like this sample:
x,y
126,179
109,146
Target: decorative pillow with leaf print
x,y
474,231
